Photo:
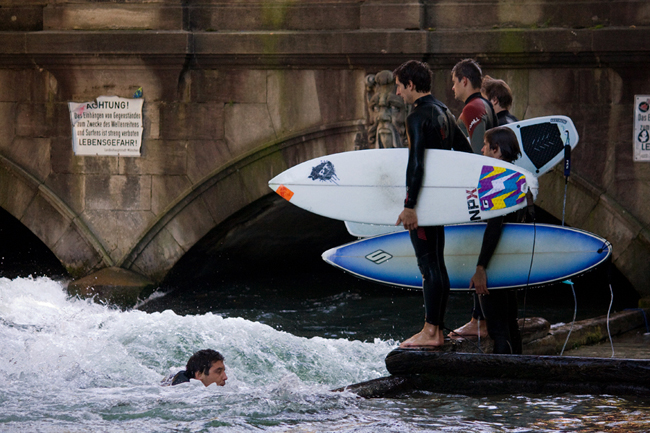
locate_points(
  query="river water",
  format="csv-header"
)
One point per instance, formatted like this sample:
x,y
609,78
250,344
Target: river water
x,y
70,365
290,334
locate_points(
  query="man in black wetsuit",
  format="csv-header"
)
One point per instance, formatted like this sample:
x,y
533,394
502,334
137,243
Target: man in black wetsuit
x,y
500,306
205,365
429,126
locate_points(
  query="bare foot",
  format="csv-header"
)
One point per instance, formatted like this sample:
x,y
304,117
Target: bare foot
x,y
429,336
470,329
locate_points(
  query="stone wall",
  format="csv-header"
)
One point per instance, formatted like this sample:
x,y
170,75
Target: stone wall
x,y
237,91
200,125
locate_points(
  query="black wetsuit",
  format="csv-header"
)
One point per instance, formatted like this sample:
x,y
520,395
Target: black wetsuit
x,y
430,126
476,118
500,306
178,378
504,117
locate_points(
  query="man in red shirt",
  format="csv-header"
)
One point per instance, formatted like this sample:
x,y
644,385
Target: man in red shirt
x,y
478,114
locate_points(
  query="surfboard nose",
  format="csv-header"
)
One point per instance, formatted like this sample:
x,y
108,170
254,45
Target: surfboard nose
x,y
277,185
328,254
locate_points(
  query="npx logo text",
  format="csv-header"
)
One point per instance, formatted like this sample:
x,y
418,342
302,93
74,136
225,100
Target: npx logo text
x,y
473,205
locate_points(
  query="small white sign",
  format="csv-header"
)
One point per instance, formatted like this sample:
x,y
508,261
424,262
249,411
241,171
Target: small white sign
x,y
110,126
642,128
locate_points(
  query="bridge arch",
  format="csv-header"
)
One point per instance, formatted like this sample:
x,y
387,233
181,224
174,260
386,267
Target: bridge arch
x,y
226,190
37,207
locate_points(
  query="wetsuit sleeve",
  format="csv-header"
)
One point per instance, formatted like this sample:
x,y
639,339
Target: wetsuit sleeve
x,y
459,141
490,240
415,171
476,118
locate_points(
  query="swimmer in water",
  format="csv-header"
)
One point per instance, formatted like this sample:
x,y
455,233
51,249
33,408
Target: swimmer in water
x,y
205,365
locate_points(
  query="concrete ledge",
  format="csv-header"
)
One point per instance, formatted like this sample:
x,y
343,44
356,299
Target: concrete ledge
x,y
111,16
274,16
449,371
540,338
211,15
499,48
408,384
586,332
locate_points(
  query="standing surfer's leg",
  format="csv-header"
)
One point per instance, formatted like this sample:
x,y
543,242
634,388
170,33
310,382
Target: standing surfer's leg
x,y
427,244
477,314
513,324
440,277
495,309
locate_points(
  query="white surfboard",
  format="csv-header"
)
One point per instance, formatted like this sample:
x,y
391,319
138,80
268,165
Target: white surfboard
x,y
542,141
362,230
369,186
526,254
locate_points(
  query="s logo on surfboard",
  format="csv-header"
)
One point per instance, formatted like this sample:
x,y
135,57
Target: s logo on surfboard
x,y
378,257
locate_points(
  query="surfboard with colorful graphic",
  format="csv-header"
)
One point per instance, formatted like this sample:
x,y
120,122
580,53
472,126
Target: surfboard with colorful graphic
x,y
526,254
368,186
542,141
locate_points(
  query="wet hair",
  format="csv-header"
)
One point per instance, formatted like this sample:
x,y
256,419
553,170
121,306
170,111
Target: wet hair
x,y
415,72
504,138
202,361
470,69
499,89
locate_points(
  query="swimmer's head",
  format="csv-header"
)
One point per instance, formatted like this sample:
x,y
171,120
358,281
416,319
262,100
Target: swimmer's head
x,y
207,366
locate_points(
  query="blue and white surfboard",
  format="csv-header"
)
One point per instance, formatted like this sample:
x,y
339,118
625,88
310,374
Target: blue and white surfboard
x,y
548,253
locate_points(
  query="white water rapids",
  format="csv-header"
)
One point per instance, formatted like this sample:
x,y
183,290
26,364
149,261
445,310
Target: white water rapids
x,y
70,365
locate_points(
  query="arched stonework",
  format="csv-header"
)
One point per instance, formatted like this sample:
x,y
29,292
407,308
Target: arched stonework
x,y
225,191
48,217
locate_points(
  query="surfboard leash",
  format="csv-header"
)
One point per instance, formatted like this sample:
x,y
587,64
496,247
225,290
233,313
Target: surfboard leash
x,y
575,312
567,171
611,293
609,333
477,345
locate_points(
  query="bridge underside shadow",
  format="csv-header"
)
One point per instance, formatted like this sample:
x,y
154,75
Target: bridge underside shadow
x,y
23,254
269,242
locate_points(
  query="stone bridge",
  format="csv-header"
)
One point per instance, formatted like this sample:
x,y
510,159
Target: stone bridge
x,y
236,93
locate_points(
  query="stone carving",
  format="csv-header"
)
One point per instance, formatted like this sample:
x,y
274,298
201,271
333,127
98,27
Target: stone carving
x,y
385,114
